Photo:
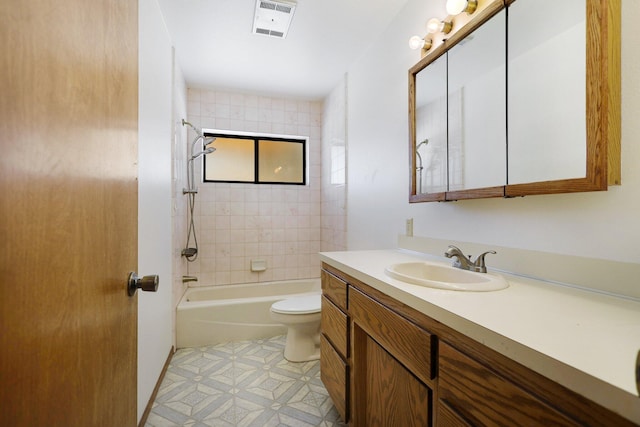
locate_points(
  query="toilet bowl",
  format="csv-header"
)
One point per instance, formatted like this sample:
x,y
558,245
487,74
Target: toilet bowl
x,y
301,316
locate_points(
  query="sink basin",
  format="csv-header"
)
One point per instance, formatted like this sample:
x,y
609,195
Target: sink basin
x,y
445,277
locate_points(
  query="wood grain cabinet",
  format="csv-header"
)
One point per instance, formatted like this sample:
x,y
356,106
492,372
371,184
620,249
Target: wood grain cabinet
x,y
387,364
334,342
392,369
464,383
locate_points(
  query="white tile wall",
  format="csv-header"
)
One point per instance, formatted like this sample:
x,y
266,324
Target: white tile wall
x,y
334,196
240,222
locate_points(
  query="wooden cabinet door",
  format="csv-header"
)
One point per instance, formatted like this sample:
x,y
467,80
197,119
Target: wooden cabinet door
x,y
391,367
334,375
68,212
385,393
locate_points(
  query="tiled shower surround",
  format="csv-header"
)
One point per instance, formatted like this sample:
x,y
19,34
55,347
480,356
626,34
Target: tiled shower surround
x,y
237,223
334,170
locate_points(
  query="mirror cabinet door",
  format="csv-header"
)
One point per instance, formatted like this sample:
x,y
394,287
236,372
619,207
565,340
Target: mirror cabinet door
x,y
477,108
431,128
546,96
542,117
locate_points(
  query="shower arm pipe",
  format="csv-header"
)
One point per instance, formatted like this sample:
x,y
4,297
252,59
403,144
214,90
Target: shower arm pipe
x,y
191,188
195,129
420,167
190,174
199,135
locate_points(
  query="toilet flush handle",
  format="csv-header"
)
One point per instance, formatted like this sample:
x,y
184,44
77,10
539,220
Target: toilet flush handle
x,y
146,283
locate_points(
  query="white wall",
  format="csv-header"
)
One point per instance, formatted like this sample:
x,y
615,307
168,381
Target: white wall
x,y
601,225
154,196
179,179
378,133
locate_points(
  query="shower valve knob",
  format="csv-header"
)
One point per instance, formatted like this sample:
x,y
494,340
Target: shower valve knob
x,y
146,283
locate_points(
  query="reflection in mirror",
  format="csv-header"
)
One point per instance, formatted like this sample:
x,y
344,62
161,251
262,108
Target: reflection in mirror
x,y
547,109
431,128
477,108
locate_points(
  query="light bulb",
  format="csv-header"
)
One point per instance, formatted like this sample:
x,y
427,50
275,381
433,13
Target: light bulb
x,y
434,25
416,42
456,7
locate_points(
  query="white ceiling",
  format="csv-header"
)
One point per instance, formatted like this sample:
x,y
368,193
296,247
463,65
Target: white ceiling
x,y
215,46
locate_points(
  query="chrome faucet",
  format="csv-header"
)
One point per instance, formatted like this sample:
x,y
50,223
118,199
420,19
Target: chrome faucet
x,y
186,279
465,263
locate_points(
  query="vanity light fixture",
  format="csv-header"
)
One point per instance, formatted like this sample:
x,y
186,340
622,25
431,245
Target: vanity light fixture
x,y
435,25
417,42
456,7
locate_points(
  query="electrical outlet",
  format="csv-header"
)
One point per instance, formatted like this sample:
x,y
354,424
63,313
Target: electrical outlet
x,y
409,227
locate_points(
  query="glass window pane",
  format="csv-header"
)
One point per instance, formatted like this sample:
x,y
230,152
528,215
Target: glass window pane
x,y
281,161
233,160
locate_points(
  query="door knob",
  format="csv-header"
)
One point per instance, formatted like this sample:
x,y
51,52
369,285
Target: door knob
x,y
146,283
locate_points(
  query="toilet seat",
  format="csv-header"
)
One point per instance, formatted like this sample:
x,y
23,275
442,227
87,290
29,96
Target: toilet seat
x,y
307,304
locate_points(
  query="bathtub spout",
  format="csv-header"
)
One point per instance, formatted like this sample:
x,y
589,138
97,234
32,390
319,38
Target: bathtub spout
x,y
186,279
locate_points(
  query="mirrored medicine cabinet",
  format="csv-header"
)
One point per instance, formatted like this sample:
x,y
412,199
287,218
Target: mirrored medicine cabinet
x,y
522,97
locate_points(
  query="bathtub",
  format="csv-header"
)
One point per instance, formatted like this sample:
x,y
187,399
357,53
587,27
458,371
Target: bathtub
x,y
216,314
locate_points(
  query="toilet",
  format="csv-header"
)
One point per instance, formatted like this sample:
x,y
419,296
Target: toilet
x,y
301,316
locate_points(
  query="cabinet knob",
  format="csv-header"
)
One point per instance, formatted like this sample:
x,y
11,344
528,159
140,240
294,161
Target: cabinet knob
x,y
146,283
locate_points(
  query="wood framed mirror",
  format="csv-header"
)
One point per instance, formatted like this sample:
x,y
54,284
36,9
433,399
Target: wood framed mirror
x,y
563,128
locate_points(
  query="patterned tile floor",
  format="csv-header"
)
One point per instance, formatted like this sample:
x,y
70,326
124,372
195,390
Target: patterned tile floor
x,y
245,383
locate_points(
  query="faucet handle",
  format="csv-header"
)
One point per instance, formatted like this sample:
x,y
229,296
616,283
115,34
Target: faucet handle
x,y
479,264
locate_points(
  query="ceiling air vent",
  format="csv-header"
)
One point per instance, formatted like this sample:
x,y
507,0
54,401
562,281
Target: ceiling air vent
x,y
273,18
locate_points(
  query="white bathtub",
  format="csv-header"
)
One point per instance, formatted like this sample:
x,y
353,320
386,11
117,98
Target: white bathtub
x,y
216,314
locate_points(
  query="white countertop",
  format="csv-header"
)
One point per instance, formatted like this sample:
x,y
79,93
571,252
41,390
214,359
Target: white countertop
x,y
584,340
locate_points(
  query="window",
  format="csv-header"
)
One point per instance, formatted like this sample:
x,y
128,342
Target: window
x,y
259,159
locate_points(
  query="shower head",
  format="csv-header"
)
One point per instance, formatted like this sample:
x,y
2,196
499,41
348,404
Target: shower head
x,y
202,153
205,140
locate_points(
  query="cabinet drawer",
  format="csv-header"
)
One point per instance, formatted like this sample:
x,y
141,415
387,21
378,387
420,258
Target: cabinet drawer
x,y
463,382
333,373
334,326
405,341
448,417
335,289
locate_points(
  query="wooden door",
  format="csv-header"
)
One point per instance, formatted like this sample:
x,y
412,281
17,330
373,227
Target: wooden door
x,y
68,212
385,393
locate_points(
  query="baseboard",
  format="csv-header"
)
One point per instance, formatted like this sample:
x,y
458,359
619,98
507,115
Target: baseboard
x,y
147,410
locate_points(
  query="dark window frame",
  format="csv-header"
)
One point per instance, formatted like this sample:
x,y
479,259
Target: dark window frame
x,y
256,153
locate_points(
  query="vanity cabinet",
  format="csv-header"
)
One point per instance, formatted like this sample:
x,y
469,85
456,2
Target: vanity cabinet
x,y
392,366
334,341
404,368
464,381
